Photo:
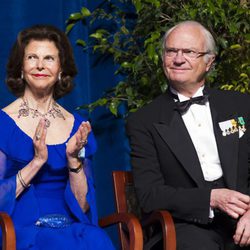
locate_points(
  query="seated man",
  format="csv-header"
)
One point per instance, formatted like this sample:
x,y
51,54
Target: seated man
x,y
190,148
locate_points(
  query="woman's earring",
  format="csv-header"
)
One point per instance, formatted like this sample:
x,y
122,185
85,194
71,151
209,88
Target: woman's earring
x,y
60,76
22,75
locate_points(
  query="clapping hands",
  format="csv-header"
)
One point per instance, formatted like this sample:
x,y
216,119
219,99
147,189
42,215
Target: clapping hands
x,y
78,140
40,147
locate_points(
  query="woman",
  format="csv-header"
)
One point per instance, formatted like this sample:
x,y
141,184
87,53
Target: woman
x,y
45,150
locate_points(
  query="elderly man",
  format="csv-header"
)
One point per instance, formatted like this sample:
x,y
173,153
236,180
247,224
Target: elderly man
x,y
190,148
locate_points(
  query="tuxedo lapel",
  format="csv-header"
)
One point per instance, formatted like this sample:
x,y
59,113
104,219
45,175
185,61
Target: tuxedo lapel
x,y
227,145
172,130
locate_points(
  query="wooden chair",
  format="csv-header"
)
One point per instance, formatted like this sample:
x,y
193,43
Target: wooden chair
x,y
126,201
128,220
8,232
131,223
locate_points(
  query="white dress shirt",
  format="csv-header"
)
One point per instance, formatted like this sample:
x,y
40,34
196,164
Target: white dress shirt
x,y
199,124
198,121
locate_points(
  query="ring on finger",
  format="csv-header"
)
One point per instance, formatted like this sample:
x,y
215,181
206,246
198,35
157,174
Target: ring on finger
x,y
38,137
84,142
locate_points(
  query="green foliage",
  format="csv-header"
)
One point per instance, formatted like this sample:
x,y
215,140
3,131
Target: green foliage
x,y
135,44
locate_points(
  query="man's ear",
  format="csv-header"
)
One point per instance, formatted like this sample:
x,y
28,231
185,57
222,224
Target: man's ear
x,y
164,68
210,63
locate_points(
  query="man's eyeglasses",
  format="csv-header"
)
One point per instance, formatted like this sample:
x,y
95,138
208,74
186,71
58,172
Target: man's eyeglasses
x,y
187,53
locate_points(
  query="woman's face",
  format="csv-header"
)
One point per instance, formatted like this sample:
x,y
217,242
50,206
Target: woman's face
x,y
41,66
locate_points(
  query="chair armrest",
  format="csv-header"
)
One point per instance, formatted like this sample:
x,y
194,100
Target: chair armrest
x,y
8,232
167,225
133,226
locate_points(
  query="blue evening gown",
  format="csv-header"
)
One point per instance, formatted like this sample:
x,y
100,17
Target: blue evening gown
x,y
48,195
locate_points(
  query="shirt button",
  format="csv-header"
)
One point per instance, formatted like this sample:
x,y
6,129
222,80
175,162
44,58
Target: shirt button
x,y
199,125
203,155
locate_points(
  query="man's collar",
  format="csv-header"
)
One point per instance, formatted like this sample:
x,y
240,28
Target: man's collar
x,y
182,98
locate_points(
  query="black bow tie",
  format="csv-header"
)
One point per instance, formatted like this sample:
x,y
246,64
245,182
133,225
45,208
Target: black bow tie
x,y
183,107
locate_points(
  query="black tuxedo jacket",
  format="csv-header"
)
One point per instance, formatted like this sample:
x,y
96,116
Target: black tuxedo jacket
x,y
166,168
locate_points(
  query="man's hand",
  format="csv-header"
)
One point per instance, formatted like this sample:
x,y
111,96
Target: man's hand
x,y
242,233
229,201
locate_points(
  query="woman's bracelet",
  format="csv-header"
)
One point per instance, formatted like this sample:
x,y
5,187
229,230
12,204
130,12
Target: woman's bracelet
x,y
19,176
76,170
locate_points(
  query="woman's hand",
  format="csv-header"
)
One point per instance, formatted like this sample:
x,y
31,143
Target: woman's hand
x,y
26,174
78,141
78,180
40,147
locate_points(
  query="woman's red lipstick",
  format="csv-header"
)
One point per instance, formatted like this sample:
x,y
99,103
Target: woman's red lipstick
x,y
39,75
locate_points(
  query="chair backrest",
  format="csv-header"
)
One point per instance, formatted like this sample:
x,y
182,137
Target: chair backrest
x,y
126,202
124,188
8,232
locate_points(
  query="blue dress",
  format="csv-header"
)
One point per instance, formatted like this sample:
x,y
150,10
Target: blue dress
x,y
48,194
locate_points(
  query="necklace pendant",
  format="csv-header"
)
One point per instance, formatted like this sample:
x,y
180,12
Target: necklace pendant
x,y
23,112
54,112
47,123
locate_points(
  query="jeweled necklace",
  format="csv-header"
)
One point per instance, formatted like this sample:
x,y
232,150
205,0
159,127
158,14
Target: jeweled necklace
x,y
54,112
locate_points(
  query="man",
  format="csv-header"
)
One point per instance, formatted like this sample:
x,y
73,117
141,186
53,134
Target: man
x,y
190,148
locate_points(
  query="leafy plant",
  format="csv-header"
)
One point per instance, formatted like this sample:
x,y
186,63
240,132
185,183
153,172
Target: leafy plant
x,y
131,33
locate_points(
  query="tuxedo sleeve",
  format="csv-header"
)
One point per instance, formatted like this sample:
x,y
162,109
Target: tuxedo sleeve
x,y
243,168
248,144
189,203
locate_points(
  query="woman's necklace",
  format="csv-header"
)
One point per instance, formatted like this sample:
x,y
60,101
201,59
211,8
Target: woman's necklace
x,y
54,112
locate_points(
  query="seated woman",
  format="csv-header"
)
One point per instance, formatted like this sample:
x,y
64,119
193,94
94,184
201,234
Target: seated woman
x,y
45,151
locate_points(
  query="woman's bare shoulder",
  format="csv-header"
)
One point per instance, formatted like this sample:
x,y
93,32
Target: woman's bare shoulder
x,y
67,115
13,108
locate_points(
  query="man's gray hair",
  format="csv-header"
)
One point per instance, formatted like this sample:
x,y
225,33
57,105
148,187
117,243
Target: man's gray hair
x,y
209,40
